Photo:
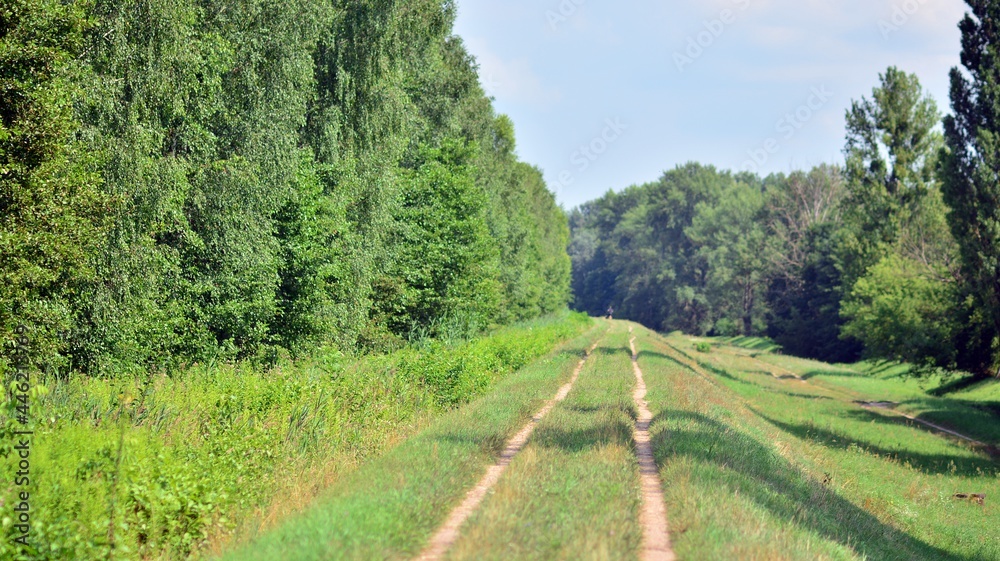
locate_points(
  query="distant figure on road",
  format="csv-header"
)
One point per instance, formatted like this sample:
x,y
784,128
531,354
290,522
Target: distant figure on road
x,y
611,311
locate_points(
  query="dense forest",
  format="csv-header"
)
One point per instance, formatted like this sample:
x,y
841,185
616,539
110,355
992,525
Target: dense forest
x,y
893,255
189,180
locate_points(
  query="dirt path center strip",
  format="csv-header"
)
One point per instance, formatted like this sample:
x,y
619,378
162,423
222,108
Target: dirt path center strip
x,y
653,516
446,535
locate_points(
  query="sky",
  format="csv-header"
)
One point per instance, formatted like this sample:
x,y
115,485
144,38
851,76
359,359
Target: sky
x,y
605,94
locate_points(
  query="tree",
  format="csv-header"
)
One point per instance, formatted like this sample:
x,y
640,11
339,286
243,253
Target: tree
x,y
890,161
633,250
443,278
52,211
903,312
804,315
732,237
970,170
794,206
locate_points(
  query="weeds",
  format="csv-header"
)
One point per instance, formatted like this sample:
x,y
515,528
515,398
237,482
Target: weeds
x,y
171,467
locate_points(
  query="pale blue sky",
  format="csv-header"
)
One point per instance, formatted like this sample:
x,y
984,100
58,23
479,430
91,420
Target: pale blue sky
x,y
608,94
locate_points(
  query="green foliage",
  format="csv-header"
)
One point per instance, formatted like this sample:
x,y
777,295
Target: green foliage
x,y
703,347
805,315
902,313
705,251
220,180
969,170
51,207
632,250
135,468
445,265
891,153
733,240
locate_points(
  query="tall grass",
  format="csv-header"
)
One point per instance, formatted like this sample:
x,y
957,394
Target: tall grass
x,y
174,467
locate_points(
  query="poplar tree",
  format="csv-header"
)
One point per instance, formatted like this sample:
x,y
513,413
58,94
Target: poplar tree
x,y
971,177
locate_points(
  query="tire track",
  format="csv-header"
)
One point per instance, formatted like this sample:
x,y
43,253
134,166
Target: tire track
x,y
447,533
653,514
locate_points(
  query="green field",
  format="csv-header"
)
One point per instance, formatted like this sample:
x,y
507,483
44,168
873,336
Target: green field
x,y
796,469
762,456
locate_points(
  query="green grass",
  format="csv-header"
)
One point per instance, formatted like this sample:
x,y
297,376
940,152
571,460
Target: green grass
x,y
388,509
753,343
572,493
178,467
973,411
758,465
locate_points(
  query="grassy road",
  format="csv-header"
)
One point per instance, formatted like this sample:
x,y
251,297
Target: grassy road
x,y
572,493
389,508
761,456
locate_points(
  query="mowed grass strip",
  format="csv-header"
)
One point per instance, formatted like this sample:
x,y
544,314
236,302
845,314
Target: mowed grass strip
x,y
971,410
388,509
753,377
573,492
757,467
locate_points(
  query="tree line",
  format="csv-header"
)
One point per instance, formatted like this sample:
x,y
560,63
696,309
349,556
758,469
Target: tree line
x,y
192,180
893,255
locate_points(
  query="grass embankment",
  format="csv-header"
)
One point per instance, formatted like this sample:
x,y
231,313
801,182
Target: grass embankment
x,y
759,464
970,409
390,508
172,467
572,493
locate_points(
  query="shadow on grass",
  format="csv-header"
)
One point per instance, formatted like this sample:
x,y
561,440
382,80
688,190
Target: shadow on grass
x,y
979,420
753,343
803,395
746,382
604,432
612,351
832,374
927,463
705,366
628,409
754,470
964,383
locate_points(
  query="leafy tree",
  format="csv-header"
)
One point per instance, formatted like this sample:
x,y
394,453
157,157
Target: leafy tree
x,y
218,179
901,312
970,169
51,207
804,315
732,237
794,206
890,156
645,263
443,276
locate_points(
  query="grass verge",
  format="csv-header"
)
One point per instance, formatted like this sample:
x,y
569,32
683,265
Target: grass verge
x,y
177,467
